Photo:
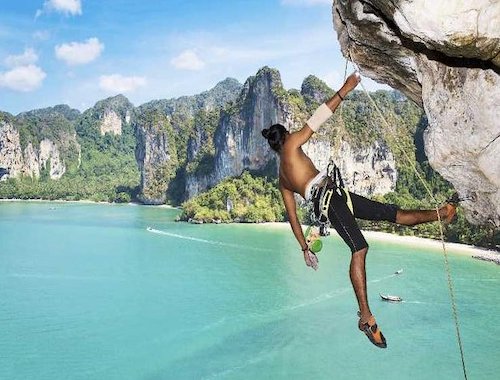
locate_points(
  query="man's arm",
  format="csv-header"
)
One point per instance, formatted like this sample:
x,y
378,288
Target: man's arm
x,y
291,210
300,137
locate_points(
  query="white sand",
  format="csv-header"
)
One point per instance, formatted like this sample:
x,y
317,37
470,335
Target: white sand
x,y
469,250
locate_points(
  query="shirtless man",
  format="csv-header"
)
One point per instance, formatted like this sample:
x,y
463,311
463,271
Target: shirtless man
x,y
297,174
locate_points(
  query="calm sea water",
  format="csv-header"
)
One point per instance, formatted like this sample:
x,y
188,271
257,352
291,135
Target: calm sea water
x,y
87,292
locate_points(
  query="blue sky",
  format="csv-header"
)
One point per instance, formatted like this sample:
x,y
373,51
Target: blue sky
x,y
77,52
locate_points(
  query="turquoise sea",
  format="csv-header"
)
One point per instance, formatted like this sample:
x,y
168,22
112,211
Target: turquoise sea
x,y
87,292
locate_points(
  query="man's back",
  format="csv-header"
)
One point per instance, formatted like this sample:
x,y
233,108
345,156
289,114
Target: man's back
x,y
296,168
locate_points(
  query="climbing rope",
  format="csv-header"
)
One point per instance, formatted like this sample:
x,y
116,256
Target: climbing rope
x,y
429,191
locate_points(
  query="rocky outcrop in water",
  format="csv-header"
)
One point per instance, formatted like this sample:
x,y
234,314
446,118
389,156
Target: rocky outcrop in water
x,y
446,57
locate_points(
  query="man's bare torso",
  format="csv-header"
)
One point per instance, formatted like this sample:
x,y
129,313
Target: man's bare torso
x,y
296,169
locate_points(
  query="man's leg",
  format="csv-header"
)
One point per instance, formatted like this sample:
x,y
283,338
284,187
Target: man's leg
x,y
368,209
357,272
414,217
344,222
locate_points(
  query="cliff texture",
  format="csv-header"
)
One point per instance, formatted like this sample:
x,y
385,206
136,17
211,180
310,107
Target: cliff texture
x,y
190,120
446,57
37,142
368,168
367,171
112,114
239,144
156,155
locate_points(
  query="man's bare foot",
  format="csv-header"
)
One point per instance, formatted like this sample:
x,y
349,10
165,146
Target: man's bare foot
x,y
448,212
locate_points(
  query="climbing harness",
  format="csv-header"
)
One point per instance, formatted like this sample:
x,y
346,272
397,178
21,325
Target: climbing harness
x,y
322,196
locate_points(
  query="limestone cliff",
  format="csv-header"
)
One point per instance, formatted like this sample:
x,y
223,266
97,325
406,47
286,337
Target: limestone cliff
x,y
367,171
11,155
156,155
186,117
38,141
446,57
238,140
111,114
368,168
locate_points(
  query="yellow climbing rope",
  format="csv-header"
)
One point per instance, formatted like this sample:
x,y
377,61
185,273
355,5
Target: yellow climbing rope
x,y
394,142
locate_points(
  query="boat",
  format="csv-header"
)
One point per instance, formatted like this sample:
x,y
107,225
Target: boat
x,y
387,297
399,271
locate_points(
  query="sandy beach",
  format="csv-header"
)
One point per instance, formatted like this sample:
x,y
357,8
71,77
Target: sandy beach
x,y
464,249
456,248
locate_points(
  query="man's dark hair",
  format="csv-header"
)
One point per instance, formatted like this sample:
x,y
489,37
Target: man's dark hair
x,y
275,136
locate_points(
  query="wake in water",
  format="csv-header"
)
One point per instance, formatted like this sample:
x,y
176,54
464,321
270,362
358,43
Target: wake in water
x,y
212,242
383,278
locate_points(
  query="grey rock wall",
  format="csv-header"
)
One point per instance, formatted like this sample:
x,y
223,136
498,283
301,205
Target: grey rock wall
x,y
445,57
239,144
156,156
31,160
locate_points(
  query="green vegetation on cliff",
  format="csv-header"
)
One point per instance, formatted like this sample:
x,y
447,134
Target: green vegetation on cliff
x,y
243,199
156,152
359,123
203,137
98,167
105,167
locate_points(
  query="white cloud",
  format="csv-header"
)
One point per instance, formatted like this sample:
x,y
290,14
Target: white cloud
x,y
233,48
188,60
76,53
27,58
68,7
116,83
23,78
41,35
306,3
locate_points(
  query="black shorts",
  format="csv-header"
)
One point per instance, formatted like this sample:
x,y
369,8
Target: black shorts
x,y
344,221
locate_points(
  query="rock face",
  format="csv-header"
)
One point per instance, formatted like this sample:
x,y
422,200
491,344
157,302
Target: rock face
x,y
49,151
239,144
366,171
112,122
11,156
156,156
113,113
30,161
446,57
157,150
200,154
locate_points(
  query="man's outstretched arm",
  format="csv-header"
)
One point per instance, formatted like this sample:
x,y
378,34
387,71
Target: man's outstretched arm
x,y
291,210
324,111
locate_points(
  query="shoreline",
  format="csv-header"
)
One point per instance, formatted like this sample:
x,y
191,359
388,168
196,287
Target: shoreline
x,y
82,201
475,252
